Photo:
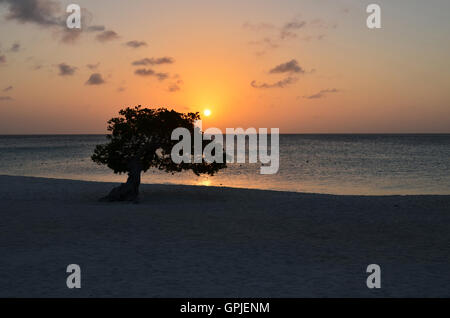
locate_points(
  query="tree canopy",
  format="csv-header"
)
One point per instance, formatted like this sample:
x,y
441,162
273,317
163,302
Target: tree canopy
x,y
140,139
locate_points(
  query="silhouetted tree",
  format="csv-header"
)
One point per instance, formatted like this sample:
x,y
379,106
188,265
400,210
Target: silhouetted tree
x,y
140,139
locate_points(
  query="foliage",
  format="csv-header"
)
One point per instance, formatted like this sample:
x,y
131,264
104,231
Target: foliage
x,y
143,135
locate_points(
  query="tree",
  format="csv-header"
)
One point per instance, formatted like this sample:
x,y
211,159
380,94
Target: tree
x,y
141,139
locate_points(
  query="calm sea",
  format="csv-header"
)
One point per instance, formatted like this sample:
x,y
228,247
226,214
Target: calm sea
x,y
336,164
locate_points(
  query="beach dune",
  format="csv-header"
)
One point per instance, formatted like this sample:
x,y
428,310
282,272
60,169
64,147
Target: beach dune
x,y
193,241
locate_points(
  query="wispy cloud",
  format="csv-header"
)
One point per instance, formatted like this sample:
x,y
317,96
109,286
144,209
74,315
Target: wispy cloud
x,y
5,98
66,70
263,26
289,29
135,44
150,72
96,28
2,59
266,42
175,87
107,36
154,61
95,79
280,84
144,72
322,93
15,47
294,29
7,89
93,67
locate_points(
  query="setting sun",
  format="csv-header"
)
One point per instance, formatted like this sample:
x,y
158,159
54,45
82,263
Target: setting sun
x,y
207,112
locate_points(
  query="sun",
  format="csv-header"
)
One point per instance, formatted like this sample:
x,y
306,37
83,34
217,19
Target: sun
x,y
207,112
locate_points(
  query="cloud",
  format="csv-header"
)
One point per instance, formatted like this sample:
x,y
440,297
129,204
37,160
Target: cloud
x,y
96,28
15,47
322,93
174,88
7,89
263,26
267,42
162,76
136,44
154,61
5,98
150,72
41,12
49,14
93,66
95,79
294,25
289,29
106,36
66,70
2,59
288,67
70,36
121,89
144,72
280,84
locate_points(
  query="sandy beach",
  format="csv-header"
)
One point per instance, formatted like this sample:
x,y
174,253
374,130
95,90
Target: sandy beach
x,y
192,241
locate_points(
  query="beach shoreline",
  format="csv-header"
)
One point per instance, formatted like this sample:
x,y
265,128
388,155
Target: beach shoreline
x,y
200,241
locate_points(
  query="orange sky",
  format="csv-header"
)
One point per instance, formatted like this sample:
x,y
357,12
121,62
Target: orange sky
x,y
395,79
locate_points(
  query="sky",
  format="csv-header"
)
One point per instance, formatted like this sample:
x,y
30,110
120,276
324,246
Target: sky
x,y
303,66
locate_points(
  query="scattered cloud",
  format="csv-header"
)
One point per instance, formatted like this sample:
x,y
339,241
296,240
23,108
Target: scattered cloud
x,y
154,61
66,70
136,44
150,72
15,47
93,67
40,12
280,84
263,26
266,42
289,29
96,28
174,88
319,23
5,98
162,76
321,94
70,36
106,36
288,67
295,29
51,15
144,72
95,79
7,89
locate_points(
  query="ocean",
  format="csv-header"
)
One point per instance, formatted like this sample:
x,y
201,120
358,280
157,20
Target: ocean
x,y
333,164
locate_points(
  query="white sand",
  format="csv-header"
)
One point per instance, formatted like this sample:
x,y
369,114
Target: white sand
x,y
188,241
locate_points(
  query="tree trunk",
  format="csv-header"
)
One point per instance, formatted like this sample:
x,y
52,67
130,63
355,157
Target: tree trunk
x,y
128,191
